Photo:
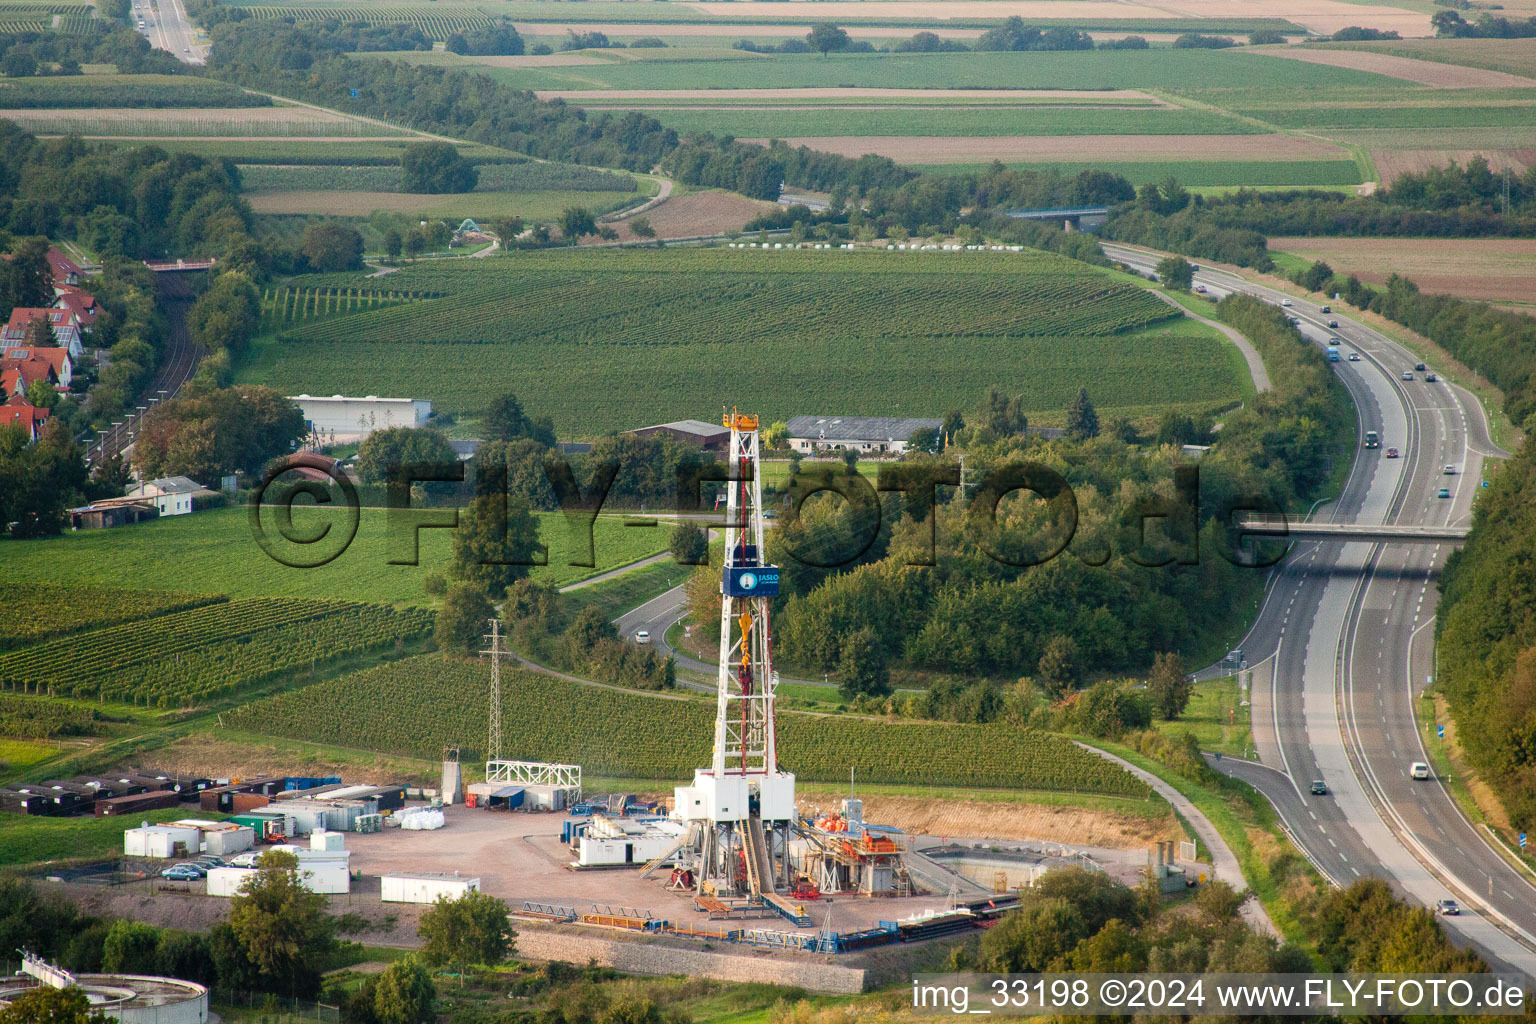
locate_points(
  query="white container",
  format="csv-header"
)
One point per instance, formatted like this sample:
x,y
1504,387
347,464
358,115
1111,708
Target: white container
x,y
425,887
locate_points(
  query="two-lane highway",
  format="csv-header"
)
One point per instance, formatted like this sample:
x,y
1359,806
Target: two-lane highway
x,y
1342,649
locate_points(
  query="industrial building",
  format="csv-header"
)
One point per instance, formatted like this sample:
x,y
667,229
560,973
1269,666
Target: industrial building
x,y
425,887
340,419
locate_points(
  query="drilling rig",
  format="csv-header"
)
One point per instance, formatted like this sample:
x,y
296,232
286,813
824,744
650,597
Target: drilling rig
x,y
741,809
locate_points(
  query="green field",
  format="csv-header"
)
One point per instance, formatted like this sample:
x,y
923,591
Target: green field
x,y
864,333
957,121
1192,173
1175,70
214,552
654,737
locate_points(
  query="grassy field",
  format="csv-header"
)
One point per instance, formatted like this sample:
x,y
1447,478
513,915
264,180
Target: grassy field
x,y
859,332
213,552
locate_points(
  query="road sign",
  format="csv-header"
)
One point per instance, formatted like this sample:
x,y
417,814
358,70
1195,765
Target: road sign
x,y
1440,731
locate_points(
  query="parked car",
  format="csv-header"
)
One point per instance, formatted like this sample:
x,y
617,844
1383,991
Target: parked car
x,y
1391,453
1407,375
1445,492
1448,907
1354,357
181,873
1419,770
642,636
1319,787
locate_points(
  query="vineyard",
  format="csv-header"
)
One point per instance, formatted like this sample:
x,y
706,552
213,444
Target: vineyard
x,y
434,23
211,651
423,704
283,306
33,612
31,718
124,91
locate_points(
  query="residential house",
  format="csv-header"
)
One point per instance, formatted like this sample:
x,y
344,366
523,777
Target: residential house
x,y
66,328
18,412
51,364
880,435
170,495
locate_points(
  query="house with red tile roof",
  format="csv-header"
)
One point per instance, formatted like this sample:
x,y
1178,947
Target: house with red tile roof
x,y
66,328
19,412
51,364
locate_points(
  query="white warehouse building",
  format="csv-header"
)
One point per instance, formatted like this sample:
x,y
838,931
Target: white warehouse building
x,y
342,419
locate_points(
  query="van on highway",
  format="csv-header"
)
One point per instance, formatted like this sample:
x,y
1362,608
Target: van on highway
x,y
1419,770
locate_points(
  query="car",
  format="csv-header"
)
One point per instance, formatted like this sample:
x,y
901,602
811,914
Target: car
x,y
1285,302
1431,377
1419,770
1319,787
1333,323
1448,907
642,636
1450,471
1354,357
1407,375
1391,453
180,873
1418,366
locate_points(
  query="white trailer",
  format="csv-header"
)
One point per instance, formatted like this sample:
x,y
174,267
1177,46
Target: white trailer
x,y
425,887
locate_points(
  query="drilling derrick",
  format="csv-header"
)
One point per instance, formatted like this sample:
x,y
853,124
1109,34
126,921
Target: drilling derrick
x,y
742,807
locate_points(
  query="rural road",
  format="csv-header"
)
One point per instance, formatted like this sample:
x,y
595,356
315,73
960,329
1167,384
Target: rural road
x,y
1342,648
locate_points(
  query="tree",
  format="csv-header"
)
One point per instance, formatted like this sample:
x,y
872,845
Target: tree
x,y
1082,420
1168,686
640,227
689,546
1059,670
281,928
130,948
436,167
463,619
394,245
496,542
332,246
48,1005
471,931
862,667
576,221
1176,272
827,37
404,993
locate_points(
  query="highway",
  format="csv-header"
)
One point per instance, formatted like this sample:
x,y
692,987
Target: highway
x,y
1343,647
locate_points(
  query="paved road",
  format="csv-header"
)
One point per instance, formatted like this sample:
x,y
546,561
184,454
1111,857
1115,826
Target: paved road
x,y
1342,649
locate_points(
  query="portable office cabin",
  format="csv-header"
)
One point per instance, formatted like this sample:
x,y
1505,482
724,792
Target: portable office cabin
x,y
425,887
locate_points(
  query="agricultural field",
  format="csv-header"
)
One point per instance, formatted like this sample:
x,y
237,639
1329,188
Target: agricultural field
x,y
214,552
213,651
865,332
36,611
1500,270
661,737
124,92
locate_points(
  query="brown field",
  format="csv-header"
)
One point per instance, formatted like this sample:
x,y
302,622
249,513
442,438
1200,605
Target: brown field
x,y
1422,72
1326,16
1392,163
945,150
990,819
697,213
1491,269
960,97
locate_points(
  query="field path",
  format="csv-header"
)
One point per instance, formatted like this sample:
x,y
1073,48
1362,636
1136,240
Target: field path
x,y
1422,72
